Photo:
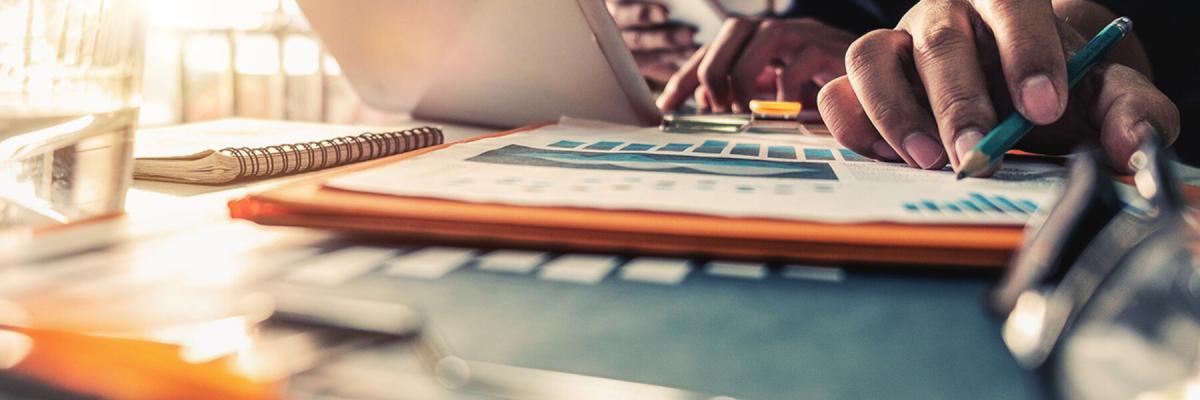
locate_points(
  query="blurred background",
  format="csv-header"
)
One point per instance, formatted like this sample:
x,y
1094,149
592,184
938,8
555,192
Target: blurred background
x,y
210,59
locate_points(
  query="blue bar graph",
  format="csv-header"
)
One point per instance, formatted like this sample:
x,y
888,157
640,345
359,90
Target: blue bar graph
x,y
566,144
779,152
850,155
975,204
605,145
675,147
987,204
782,152
712,147
818,154
745,149
967,204
1007,204
1028,205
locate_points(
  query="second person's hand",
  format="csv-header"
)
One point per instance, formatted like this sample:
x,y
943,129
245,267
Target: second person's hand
x,y
789,58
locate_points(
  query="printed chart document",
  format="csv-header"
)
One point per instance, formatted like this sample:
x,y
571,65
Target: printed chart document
x,y
732,175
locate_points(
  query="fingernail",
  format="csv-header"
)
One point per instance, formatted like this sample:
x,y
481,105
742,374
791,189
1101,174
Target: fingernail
x,y
925,151
966,141
885,151
1039,100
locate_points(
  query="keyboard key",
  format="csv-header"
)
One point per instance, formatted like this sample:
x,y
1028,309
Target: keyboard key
x,y
339,266
663,271
429,263
511,261
578,268
824,274
740,270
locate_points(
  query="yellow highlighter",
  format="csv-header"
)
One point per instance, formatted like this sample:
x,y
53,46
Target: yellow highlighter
x,y
775,117
775,110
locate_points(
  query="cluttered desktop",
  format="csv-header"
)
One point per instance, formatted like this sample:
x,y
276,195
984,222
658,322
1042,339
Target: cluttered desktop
x,y
594,199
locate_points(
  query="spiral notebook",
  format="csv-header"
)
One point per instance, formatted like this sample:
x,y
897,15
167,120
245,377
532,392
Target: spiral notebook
x,y
226,150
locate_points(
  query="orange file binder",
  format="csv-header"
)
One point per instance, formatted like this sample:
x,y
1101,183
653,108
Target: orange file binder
x,y
310,204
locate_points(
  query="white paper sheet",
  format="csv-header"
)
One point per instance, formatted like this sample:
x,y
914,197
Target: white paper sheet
x,y
743,175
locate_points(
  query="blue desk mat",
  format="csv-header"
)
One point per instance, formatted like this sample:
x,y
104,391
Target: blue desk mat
x,y
869,335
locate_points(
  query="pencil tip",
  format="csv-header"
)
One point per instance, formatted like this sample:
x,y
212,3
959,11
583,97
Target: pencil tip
x,y
973,164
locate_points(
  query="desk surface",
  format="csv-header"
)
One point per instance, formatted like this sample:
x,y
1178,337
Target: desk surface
x,y
869,335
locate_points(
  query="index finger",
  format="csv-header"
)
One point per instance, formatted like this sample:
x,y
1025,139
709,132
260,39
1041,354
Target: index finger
x,y
761,49
1030,54
683,84
718,61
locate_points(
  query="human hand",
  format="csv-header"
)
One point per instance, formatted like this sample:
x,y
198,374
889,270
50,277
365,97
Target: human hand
x,y
790,59
928,91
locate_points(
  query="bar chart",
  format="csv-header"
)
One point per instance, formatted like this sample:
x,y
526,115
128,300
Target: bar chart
x,y
975,204
738,176
721,147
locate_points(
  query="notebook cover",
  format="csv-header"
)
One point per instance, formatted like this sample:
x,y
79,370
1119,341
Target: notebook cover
x,y
309,204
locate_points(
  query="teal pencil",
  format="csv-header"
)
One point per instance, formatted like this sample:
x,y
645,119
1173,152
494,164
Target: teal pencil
x,y
1004,136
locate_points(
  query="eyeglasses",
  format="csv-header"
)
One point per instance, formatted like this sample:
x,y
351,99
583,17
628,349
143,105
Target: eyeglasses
x,y
1103,299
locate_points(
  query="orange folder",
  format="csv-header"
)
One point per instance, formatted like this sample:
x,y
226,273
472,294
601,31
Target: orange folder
x,y
310,204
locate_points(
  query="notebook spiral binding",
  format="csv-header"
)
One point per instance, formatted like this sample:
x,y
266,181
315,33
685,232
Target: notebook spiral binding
x,y
308,156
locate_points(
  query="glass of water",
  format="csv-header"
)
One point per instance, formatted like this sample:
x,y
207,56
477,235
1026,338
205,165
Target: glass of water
x,y
70,84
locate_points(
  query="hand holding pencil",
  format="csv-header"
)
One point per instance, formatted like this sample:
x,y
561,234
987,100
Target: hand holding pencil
x,y
929,91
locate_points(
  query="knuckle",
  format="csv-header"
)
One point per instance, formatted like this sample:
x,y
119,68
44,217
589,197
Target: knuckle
x,y
927,10
871,46
1011,8
940,40
963,107
1028,45
834,94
